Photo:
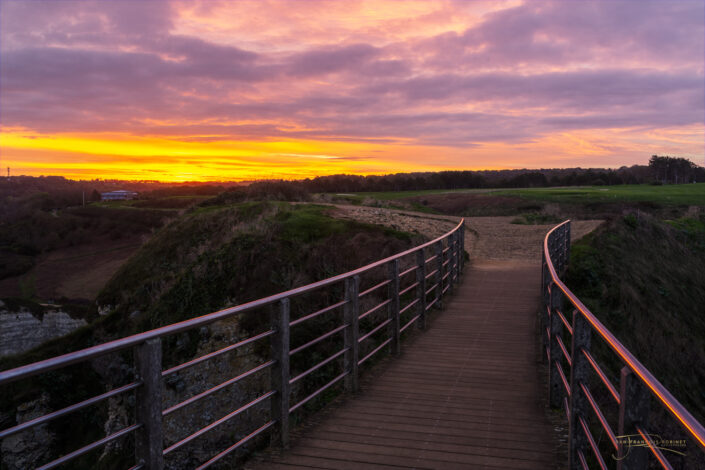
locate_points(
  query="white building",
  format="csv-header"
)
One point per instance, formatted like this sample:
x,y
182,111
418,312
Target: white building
x,y
119,195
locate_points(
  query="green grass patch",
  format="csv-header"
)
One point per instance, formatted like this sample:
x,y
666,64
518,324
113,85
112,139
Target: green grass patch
x,y
675,194
643,278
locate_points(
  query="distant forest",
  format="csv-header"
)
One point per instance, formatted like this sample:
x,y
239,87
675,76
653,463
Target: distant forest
x,y
53,192
661,170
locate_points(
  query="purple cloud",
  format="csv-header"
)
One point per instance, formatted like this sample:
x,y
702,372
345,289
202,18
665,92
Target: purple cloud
x,y
519,74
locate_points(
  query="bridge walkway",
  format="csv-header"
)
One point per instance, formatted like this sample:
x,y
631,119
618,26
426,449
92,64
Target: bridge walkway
x,y
465,396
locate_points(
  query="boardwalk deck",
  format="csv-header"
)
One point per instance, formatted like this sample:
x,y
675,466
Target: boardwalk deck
x,y
466,395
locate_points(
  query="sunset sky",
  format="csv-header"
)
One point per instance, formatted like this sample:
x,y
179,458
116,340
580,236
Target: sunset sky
x,y
211,90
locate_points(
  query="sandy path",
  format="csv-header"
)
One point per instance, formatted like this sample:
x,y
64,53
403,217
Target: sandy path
x,y
486,238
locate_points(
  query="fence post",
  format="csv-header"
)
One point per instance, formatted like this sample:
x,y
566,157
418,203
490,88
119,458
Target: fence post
x,y
559,250
462,246
394,325
555,255
567,243
555,391
439,285
451,262
545,318
280,373
352,332
421,288
579,374
633,412
458,255
149,443
555,252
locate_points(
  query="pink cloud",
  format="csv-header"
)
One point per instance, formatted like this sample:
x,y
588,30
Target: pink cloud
x,y
449,75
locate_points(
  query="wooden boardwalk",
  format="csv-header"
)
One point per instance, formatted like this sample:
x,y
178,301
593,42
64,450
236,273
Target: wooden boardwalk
x,y
464,395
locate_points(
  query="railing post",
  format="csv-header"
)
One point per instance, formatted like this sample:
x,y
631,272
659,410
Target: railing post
x,y
545,302
352,332
462,247
461,253
149,442
421,288
439,285
280,373
458,255
633,412
579,374
559,251
555,383
394,325
567,243
451,262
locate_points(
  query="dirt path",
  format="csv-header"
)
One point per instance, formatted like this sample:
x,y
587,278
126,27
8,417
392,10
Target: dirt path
x,y
486,239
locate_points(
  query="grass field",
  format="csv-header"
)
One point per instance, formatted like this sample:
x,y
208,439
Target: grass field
x,y
682,194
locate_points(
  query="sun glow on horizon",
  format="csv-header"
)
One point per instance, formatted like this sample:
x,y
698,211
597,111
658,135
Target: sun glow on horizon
x,y
213,91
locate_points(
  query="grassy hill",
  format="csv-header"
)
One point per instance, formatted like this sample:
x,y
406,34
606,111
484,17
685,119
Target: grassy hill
x,y
644,278
208,259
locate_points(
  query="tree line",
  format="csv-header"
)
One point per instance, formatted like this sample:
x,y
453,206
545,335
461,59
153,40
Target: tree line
x,y
674,170
679,170
52,192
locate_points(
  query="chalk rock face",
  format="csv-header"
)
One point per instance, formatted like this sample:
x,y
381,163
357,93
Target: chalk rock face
x,y
21,331
28,448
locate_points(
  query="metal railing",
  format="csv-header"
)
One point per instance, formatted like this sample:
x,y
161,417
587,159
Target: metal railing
x,y
631,442
434,274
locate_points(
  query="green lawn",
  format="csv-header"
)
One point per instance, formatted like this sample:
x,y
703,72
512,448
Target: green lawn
x,y
681,194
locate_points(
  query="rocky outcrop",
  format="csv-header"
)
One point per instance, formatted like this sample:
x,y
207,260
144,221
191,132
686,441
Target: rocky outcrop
x,y
21,331
25,449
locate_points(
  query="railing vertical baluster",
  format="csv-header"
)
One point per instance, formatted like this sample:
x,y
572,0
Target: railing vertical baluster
x,y
579,373
394,325
421,288
352,332
555,392
280,373
633,412
439,286
149,442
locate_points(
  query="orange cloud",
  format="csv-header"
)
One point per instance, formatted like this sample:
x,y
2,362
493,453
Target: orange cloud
x,y
279,89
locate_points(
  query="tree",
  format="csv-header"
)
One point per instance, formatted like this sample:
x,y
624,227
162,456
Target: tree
x,y
672,169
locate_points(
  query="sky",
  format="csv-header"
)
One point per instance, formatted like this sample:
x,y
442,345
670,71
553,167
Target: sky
x,y
241,90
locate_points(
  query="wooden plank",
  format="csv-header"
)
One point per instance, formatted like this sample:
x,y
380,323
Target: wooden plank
x,y
465,393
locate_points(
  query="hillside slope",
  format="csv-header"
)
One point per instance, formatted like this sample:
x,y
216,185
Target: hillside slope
x,y
210,258
645,280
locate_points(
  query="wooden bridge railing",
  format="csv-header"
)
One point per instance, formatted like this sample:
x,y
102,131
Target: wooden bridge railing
x,y
633,439
426,281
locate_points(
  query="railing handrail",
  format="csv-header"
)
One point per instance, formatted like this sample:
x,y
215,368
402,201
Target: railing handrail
x,y
35,368
684,417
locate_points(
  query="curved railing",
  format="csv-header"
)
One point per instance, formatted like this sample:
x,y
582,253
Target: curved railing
x,y
572,391
433,277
